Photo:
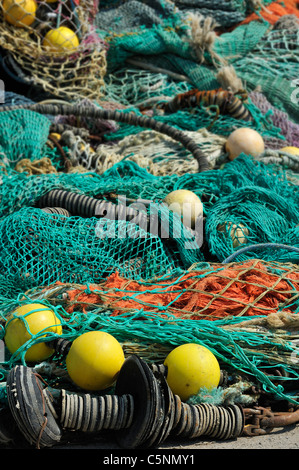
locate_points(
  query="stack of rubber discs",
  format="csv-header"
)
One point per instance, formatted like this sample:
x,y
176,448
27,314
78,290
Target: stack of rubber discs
x,y
143,412
217,422
89,413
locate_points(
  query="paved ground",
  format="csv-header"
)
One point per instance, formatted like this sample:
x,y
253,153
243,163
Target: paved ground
x,y
281,438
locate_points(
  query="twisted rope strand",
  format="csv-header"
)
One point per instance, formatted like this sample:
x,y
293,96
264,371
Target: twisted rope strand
x,y
114,115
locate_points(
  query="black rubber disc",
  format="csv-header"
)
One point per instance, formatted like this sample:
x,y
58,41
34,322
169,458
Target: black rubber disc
x,y
137,379
240,420
163,431
28,403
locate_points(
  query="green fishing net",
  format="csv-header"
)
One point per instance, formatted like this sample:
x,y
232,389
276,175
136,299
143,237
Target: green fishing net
x,y
204,118
262,56
53,247
256,353
140,86
273,65
23,134
36,245
39,249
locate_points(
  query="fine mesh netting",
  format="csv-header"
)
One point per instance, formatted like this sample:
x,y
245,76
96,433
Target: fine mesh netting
x,y
256,340
23,134
53,46
54,247
245,192
184,44
278,54
82,225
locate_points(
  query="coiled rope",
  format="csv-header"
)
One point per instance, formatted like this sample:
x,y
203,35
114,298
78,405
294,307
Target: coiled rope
x,y
114,115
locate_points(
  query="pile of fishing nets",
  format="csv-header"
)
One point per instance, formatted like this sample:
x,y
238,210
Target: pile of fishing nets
x,y
52,45
83,227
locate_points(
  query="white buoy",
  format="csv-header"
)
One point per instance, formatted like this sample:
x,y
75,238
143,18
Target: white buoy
x,y
244,140
185,203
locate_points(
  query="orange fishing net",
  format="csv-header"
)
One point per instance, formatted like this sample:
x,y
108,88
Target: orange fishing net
x,y
275,11
239,289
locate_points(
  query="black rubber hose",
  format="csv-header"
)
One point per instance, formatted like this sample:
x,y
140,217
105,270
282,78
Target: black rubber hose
x,y
68,202
86,206
128,118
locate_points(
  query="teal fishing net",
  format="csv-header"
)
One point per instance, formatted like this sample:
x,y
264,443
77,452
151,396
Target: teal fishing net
x,y
173,44
133,287
256,346
277,53
266,205
203,118
74,249
23,134
170,44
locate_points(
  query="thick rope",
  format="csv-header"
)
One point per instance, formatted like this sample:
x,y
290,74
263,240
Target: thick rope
x,y
128,118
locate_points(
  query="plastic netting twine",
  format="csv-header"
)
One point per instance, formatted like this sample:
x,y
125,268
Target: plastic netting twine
x,y
53,46
237,345
165,41
149,294
39,249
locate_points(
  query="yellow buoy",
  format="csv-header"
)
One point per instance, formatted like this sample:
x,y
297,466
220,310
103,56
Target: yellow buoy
x,y
185,203
94,360
55,136
238,233
291,150
191,367
26,322
244,140
19,13
61,39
